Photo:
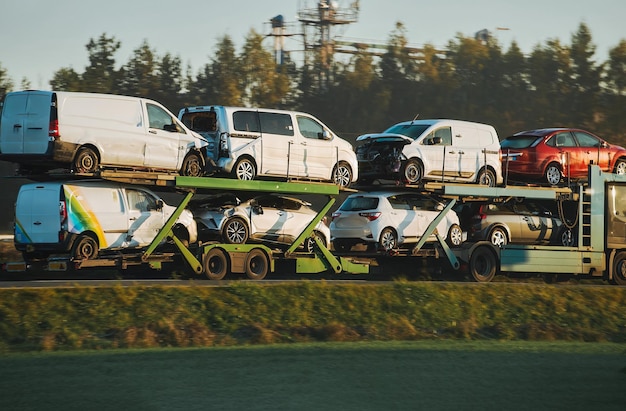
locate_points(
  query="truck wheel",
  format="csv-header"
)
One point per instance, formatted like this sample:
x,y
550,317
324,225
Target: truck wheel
x,y
486,177
412,172
215,264
455,236
619,269
86,161
342,175
193,166
552,174
85,248
244,169
256,264
483,265
235,231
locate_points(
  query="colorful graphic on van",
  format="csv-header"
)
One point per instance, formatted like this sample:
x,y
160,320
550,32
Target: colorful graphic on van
x,y
20,234
80,219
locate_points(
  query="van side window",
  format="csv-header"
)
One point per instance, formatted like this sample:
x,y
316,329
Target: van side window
x,y
275,123
246,121
441,137
139,200
159,118
310,128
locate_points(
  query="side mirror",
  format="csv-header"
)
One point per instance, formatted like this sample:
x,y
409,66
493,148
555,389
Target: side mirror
x,y
324,135
159,205
173,128
257,209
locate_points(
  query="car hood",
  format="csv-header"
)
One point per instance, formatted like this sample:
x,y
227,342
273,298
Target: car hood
x,y
385,137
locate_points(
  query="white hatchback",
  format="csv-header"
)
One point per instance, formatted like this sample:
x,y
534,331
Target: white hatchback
x,y
386,220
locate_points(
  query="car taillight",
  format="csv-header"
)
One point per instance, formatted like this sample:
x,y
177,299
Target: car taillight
x,y
481,213
370,216
53,129
62,211
335,215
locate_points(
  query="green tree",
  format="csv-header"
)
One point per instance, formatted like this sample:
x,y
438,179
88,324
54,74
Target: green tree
x,y
66,79
6,84
615,94
100,75
138,77
585,79
225,74
170,82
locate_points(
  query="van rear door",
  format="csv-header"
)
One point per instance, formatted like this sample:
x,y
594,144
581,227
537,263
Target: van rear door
x,y
37,214
25,122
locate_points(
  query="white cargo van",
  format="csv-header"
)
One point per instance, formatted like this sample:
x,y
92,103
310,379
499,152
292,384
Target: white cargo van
x,y
440,150
83,217
42,130
251,142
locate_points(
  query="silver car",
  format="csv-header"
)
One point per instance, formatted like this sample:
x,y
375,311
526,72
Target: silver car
x,y
270,219
387,220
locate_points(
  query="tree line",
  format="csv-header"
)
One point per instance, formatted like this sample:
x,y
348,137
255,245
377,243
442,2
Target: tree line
x,y
556,84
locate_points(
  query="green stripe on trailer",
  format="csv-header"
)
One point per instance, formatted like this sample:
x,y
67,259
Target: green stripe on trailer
x,y
284,187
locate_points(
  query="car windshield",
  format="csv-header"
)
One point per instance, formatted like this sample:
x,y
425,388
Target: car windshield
x,y
410,130
518,141
359,203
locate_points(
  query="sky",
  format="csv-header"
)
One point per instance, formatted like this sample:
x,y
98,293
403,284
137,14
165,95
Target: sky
x,y
40,37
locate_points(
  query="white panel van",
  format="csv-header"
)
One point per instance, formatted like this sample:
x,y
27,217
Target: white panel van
x,y
251,142
41,130
83,217
440,150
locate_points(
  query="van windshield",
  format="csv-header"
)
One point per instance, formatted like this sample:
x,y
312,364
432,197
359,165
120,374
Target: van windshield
x,y
410,130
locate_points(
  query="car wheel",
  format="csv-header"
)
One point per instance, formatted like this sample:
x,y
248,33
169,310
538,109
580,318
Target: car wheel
x,y
412,172
342,175
86,161
567,238
388,239
309,243
498,236
245,169
257,264
85,248
215,264
235,231
552,174
193,166
620,167
455,236
486,177
342,246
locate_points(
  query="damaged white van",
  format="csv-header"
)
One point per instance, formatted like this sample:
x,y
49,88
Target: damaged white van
x,y
43,130
440,150
249,143
83,217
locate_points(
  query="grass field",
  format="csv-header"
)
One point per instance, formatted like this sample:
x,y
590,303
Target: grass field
x,y
442,375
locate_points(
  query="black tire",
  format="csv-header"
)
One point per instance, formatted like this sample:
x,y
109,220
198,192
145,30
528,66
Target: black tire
x,y
552,174
85,248
342,246
86,161
342,174
257,264
620,167
235,231
388,239
193,166
309,243
244,169
483,265
498,237
455,236
215,264
412,172
618,270
486,177
567,238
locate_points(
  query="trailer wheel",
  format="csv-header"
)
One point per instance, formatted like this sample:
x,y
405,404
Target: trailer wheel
x,y
86,161
483,265
257,264
619,269
85,248
215,264
236,231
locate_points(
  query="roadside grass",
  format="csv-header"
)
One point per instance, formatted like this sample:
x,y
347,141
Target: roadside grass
x,y
429,375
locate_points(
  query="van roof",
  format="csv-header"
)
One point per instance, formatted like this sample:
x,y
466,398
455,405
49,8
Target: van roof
x,y
430,122
230,109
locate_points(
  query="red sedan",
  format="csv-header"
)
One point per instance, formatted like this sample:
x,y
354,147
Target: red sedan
x,y
552,154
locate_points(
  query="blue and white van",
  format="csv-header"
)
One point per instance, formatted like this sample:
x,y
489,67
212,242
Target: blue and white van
x,y
84,217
